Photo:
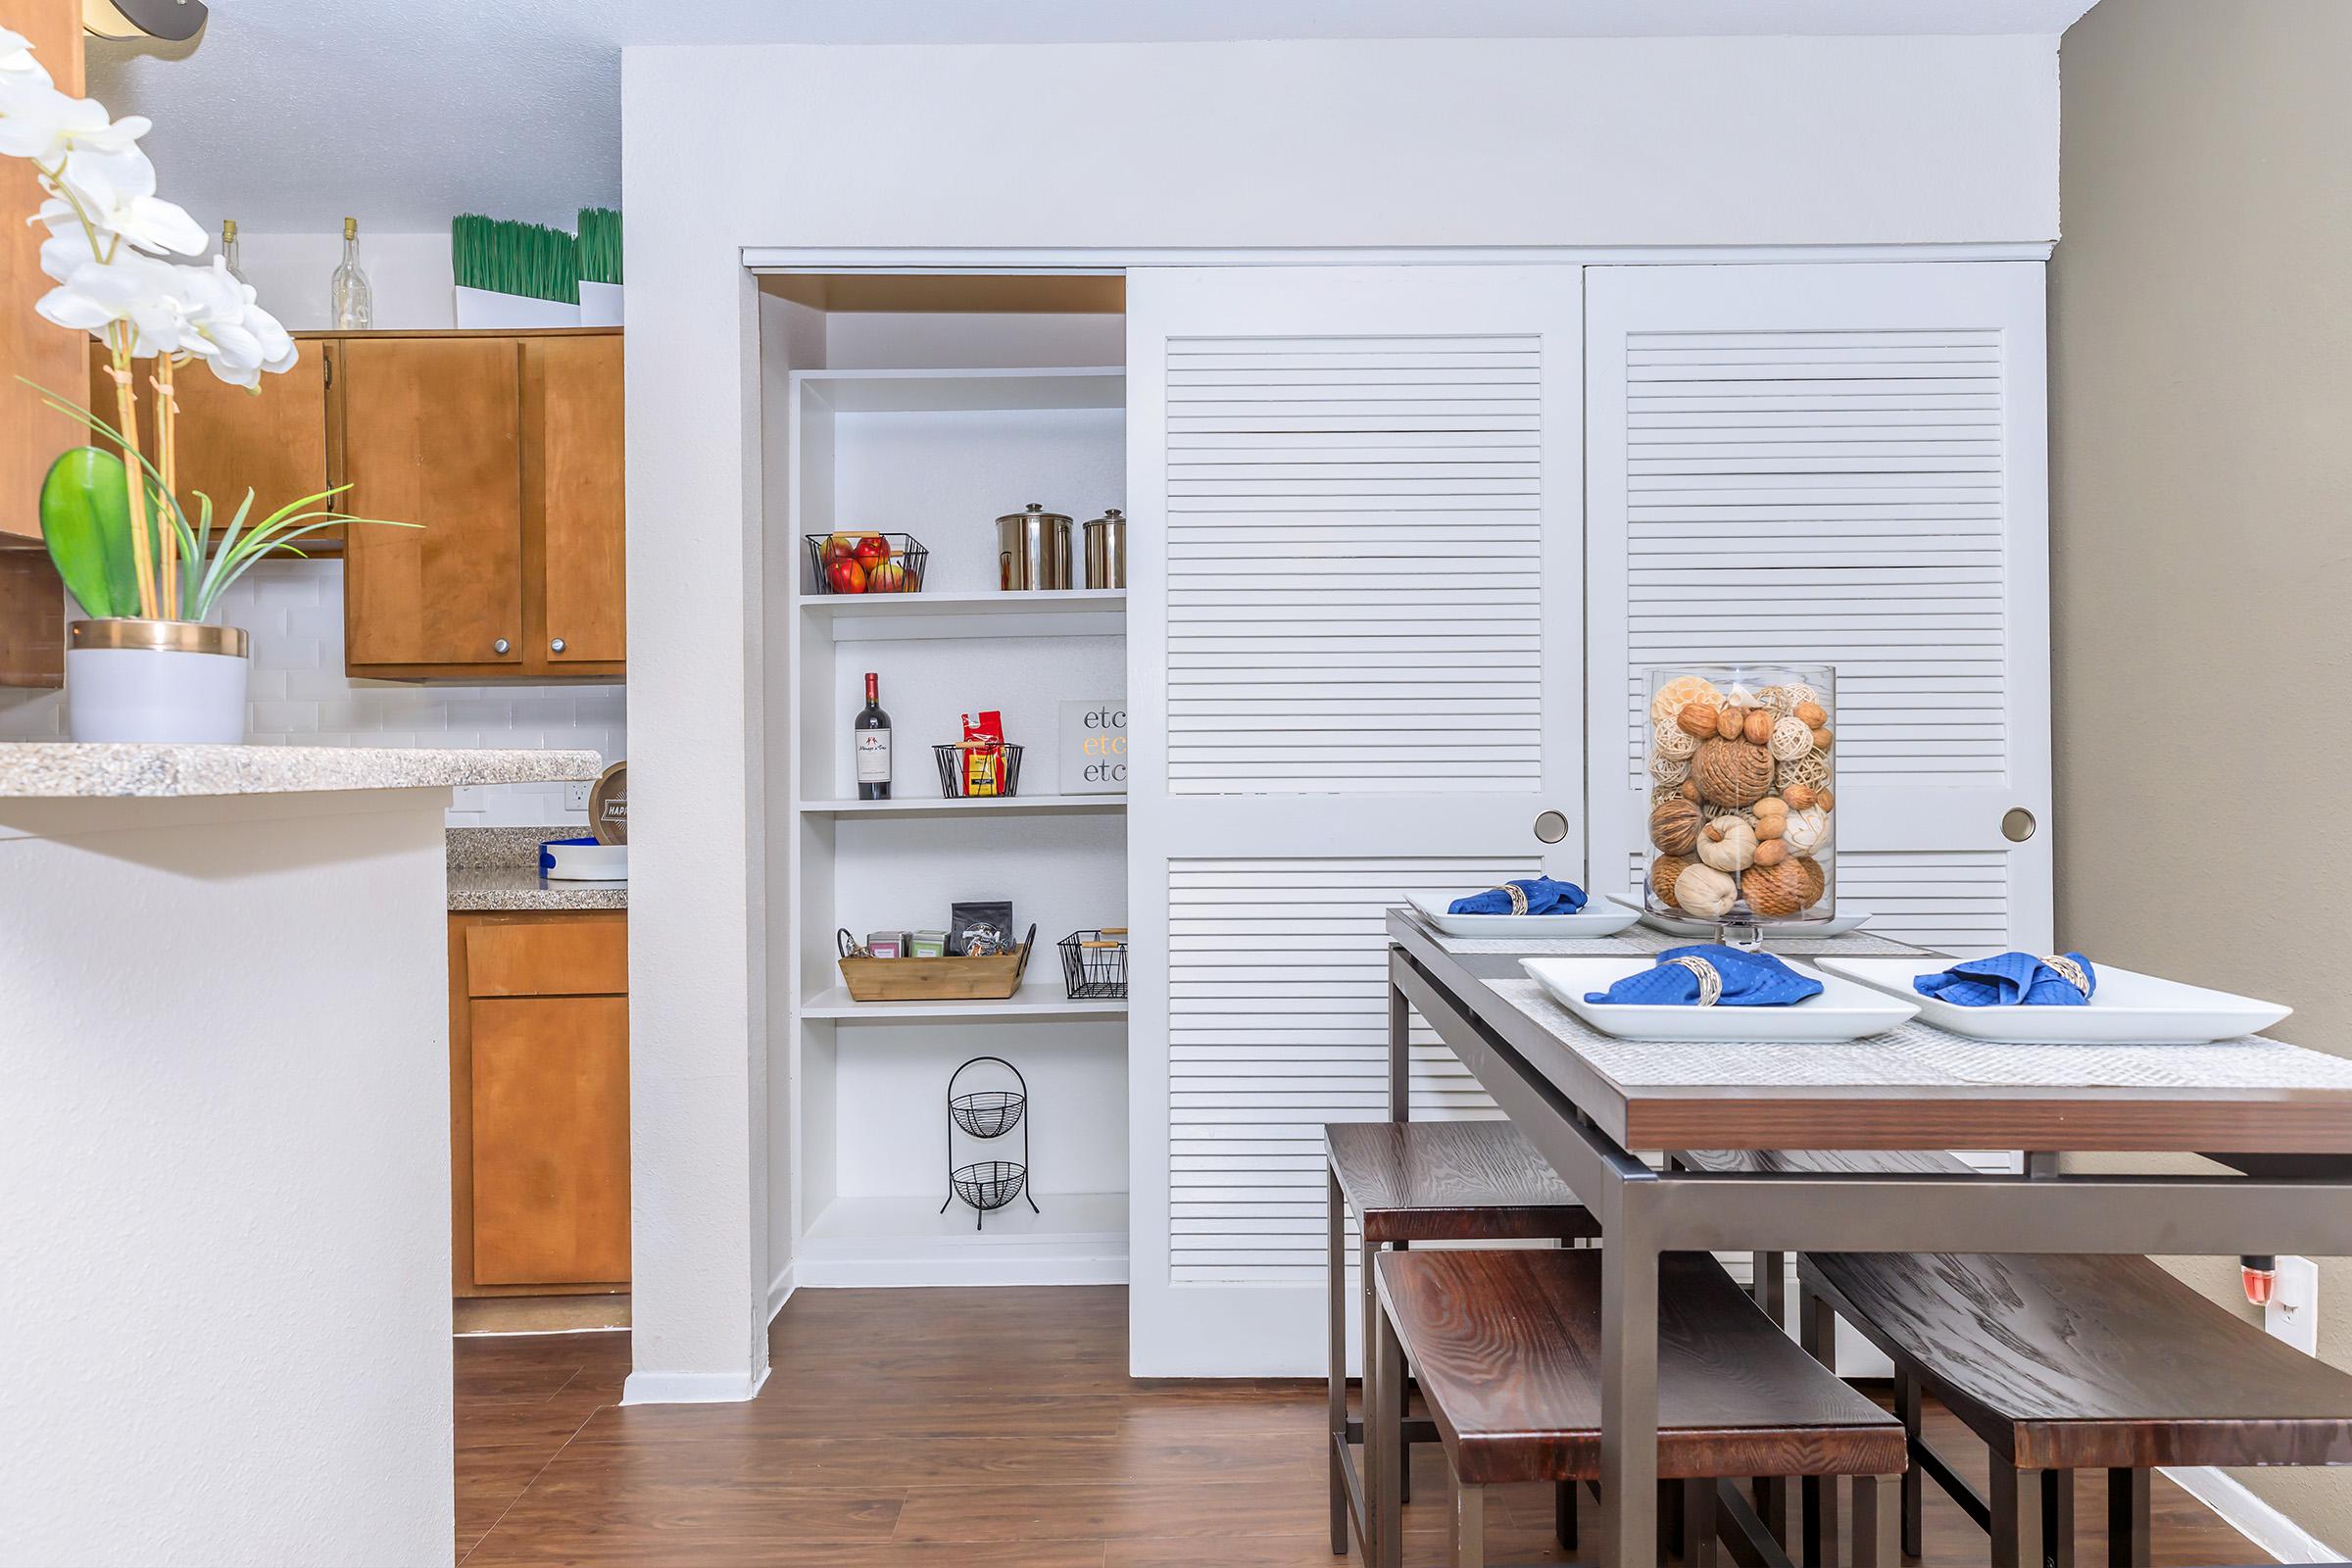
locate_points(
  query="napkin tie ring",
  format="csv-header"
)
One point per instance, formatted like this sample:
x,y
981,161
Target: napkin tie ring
x,y
2069,970
1516,894
1710,979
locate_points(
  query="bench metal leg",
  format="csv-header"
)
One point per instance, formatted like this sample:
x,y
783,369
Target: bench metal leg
x,y
2016,1517
1469,1527
1563,1514
1404,1397
1914,1483
1768,1284
1875,1522
1820,1325
1384,1445
1698,1523
2127,1519
1337,1290
2058,1519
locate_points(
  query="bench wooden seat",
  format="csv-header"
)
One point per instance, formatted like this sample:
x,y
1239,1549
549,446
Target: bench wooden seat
x,y
1507,1344
1424,1180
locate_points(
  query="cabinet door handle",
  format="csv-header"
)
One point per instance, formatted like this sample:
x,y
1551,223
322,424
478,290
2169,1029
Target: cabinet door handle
x,y
500,646
556,647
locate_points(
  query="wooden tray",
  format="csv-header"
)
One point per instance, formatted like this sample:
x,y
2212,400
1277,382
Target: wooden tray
x,y
937,979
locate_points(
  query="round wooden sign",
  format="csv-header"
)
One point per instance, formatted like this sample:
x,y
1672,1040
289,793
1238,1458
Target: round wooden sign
x,y
609,806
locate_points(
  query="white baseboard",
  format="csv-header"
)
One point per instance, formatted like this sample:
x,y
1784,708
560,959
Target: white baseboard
x,y
691,1387
2265,1525
780,1289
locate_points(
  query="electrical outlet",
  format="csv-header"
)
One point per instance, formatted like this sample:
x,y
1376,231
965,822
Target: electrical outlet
x,y
2293,1313
575,795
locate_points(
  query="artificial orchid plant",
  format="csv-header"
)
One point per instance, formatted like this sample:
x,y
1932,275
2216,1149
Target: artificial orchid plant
x,y
126,548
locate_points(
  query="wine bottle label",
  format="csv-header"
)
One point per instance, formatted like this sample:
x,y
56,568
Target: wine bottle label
x,y
873,756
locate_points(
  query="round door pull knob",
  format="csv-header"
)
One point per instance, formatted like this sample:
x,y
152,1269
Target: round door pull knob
x,y
556,647
2018,824
1552,827
500,646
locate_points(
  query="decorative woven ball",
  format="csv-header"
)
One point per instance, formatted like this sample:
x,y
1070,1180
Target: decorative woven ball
x,y
1677,693
1669,740
1728,844
1817,881
1790,740
1665,875
1811,770
1731,772
1669,769
1808,831
1697,720
1776,701
1666,792
1674,826
1774,892
1705,891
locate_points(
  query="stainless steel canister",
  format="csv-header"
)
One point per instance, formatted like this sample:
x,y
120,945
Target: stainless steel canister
x,y
1033,549
1106,549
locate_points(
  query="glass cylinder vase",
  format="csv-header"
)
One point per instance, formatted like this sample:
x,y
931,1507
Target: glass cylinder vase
x,y
1743,794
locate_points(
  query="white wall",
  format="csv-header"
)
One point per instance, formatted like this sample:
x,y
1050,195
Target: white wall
x,y
225,1249
1573,142
300,697
410,274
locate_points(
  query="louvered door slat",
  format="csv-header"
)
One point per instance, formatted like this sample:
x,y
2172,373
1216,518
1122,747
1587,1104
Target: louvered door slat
x,y
1839,465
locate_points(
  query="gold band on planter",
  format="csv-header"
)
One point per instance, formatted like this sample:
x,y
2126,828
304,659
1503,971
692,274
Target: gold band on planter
x,y
163,636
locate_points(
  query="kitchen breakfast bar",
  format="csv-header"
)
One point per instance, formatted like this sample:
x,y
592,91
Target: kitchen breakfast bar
x,y
1593,1106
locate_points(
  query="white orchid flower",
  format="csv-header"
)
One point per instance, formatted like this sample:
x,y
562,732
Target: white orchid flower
x,y
17,64
132,288
44,124
113,194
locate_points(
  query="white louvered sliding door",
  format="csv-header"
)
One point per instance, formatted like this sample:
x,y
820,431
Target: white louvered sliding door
x,y
1354,642
1841,464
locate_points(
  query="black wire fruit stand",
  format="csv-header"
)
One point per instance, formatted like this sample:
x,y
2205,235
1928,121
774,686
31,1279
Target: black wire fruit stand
x,y
987,1114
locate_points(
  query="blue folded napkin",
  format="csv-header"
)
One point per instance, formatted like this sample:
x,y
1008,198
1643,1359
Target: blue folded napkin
x,y
2009,980
1682,980
1543,897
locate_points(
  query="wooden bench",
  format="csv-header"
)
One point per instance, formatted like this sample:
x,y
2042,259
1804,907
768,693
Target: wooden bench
x,y
1506,1342
1424,1181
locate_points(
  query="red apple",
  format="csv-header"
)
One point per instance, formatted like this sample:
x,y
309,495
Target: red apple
x,y
886,577
846,576
873,551
841,547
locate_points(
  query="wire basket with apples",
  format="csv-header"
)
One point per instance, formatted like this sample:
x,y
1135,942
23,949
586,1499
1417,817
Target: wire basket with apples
x,y
866,561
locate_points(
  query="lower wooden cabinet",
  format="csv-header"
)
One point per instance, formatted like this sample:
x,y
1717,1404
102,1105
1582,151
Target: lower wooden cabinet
x,y
539,1102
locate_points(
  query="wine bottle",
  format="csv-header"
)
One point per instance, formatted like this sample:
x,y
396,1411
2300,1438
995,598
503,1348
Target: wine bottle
x,y
871,731
352,307
231,255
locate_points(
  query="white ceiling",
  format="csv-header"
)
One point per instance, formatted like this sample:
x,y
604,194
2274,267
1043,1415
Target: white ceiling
x,y
289,114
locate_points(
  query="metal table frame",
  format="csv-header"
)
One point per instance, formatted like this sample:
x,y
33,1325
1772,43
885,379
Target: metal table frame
x,y
1646,1213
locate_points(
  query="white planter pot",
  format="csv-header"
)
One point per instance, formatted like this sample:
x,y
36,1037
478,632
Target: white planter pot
x,y
164,681
601,304
487,307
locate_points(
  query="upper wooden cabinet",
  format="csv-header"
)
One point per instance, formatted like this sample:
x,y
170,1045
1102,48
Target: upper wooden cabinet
x,y
507,450
31,350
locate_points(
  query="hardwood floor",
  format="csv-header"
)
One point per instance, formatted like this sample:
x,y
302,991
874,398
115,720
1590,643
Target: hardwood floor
x,y
980,1428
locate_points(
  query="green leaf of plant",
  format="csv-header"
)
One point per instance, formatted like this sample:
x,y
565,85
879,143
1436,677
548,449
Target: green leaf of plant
x,y
85,518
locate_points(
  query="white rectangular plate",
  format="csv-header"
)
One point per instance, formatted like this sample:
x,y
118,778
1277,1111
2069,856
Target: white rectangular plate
x,y
1843,1011
1705,930
2125,1010
1589,921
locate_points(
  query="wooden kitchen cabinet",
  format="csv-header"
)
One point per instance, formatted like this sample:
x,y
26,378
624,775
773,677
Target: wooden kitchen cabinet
x,y
539,1102
506,447
31,350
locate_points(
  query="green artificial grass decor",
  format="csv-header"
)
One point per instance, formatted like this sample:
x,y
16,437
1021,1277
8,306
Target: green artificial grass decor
x,y
509,257
600,245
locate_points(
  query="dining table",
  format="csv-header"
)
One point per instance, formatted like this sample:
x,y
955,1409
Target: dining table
x,y
1618,1118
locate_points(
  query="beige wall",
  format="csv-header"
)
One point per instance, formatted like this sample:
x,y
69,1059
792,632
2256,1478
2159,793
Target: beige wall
x,y
2201,412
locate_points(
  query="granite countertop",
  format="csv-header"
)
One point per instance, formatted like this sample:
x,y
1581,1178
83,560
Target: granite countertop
x,y
498,869
66,770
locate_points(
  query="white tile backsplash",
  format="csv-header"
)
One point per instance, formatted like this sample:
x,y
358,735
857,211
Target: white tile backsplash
x,y
300,697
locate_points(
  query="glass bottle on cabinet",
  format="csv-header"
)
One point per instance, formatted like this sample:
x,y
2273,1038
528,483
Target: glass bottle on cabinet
x,y
352,306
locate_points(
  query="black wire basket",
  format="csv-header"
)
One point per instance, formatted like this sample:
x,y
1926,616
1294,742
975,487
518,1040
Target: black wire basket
x,y
953,782
990,1114
906,553
1094,963
990,1183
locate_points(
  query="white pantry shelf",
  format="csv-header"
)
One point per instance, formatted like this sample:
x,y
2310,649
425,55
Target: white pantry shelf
x,y
1035,1001
1006,806
968,390
1078,1239
1041,613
